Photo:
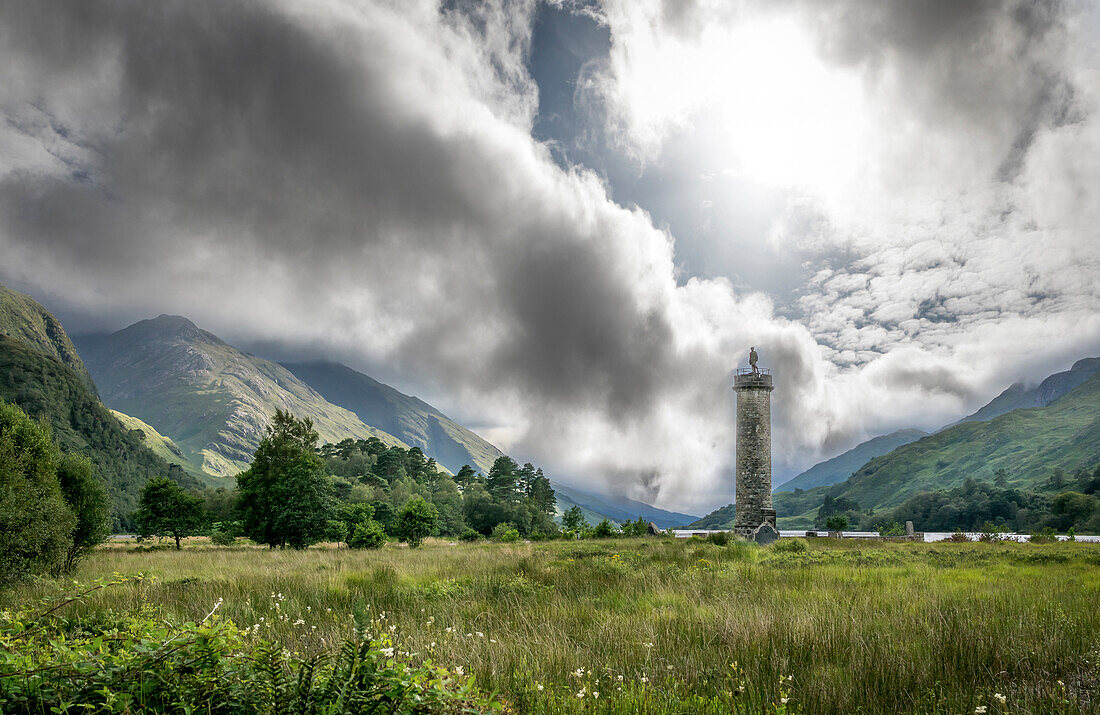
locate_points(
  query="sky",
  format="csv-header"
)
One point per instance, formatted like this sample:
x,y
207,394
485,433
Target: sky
x,y
564,223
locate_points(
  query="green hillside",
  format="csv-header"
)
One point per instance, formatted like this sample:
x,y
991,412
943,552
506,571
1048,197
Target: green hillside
x,y
410,419
22,318
842,466
51,391
161,446
211,399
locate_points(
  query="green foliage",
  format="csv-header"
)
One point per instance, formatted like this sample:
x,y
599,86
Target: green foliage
x,y
35,523
790,546
87,500
505,532
837,523
222,538
719,538
469,534
416,521
50,391
892,529
284,497
146,662
638,527
573,520
369,535
604,529
166,510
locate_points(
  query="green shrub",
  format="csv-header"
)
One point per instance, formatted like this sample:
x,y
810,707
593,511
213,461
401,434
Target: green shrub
x,y
368,536
222,538
604,529
142,662
836,523
505,532
719,538
1046,536
790,546
469,534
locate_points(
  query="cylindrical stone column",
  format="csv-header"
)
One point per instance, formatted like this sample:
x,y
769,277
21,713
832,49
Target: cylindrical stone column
x,y
754,450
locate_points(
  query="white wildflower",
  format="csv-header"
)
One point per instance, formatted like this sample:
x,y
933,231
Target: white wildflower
x,y
492,640
999,698
299,622
459,670
980,710
579,673
580,693
539,686
388,652
480,634
643,679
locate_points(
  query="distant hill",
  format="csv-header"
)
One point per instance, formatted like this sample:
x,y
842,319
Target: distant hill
x,y
25,320
844,465
1019,395
49,390
618,509
410,419
721,518
1027,443
210,398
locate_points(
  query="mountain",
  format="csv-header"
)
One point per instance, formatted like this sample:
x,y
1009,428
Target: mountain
x,y
721,518
1027,443
413,421
617,509
160,445
210,398
842,466
1019,395
49,390
22,318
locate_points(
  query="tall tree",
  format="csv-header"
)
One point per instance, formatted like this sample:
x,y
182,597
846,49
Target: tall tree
x,y
284,496
166,509
35,523
466,475
502,480
87,499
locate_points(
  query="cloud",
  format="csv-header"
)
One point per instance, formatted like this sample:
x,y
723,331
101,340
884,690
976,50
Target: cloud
x,y
361,177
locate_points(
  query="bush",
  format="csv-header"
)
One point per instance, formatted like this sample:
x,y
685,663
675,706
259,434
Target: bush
x,y
222,538
958,537
1046,536
892,529
368,536
790,545
506,532
604,529
719,538
49,664
469,534
836,523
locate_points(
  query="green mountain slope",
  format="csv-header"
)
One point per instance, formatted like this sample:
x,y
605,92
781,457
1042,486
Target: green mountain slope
x,y
160,445
210,398
22,318
410,419
1019,395
842,466
1027,443
49,390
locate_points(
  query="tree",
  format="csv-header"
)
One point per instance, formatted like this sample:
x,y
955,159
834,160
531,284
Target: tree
x,y
87,498
166,509
35,523
573,519
837,523
416,521
1000,478
367,536
284,496
501,481
465,476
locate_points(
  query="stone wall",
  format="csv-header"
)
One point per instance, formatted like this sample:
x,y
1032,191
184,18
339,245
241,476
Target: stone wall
x,y
754,453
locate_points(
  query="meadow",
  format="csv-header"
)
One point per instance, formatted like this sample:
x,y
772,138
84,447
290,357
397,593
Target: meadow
x,y
664,626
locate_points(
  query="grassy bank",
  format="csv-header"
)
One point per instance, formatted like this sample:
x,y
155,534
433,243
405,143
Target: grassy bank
x,y
666,626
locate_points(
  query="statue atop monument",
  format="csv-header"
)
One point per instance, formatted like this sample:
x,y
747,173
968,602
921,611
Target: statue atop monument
x,y
752,361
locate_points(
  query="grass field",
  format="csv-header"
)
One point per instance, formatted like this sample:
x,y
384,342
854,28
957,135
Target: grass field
x,y
671,626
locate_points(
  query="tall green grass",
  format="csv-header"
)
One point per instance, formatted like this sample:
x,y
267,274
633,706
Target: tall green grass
x,y
672,626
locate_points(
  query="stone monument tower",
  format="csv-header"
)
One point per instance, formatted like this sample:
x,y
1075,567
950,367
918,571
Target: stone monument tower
x,y
753,386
